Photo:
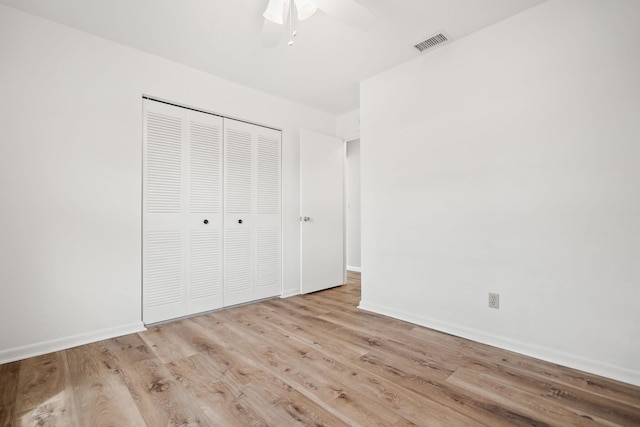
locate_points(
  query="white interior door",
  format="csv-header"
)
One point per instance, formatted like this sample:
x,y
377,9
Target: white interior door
x,y
321,211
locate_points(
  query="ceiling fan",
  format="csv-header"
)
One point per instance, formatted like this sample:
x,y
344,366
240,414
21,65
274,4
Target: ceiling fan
x,y
280,13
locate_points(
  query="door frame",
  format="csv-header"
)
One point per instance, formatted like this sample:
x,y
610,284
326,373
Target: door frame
x,y
353,137
345,140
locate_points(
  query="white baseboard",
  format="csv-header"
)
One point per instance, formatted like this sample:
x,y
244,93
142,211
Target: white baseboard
x,y
37,349
565,359
352,268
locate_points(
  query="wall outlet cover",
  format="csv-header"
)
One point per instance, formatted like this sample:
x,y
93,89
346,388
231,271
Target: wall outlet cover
x,y
494,300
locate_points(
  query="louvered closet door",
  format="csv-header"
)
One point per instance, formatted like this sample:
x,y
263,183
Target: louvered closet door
x,y
268,214
163,243
252,220
182,184
204,201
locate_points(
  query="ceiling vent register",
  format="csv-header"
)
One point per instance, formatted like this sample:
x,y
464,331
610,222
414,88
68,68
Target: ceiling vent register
x,y
431,42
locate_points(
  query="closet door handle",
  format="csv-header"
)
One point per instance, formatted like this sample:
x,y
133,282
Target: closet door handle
x,y
206,221
239,221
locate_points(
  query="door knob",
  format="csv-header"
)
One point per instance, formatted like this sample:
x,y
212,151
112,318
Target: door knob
x,y
239,221
206,221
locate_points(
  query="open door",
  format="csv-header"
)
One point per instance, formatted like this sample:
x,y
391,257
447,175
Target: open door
x,y
321,212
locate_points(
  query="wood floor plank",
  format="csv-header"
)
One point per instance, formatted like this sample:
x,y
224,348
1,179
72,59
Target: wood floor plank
x,y
101,395
128,349
312,330
598,386
527,403
8,391
160,398
44,395
7,415
167,342
574,399
9,384
223,401
484,411
245,395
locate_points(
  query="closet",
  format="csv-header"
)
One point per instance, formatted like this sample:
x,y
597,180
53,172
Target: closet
x,y
211,222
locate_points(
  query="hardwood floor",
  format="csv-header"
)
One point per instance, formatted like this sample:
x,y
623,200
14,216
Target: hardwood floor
x,y
307,360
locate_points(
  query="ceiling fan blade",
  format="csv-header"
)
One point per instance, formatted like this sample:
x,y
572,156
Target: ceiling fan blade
x,y
271,34
349,12
305,8
275,11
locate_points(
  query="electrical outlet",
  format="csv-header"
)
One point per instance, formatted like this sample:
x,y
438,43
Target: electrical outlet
x,y
494,300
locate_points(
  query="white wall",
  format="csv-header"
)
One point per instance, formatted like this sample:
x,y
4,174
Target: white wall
x,y
348,125
353,205
70,160
509,162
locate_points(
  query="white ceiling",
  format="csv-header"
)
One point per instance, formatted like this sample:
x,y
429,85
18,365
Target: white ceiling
x,y
322,70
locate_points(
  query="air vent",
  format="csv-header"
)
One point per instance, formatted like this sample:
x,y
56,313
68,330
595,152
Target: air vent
x,y
431,42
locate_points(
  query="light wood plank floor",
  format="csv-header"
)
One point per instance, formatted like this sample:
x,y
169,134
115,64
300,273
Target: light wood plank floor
x,y
306,360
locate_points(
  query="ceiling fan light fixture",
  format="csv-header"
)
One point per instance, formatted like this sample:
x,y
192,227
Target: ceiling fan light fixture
x,y
306,8
275,11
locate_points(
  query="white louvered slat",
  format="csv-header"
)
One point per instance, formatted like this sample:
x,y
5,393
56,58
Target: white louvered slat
x,y
204,168
238,260
163,268
268,254
238,171
268,179
205,266
163,172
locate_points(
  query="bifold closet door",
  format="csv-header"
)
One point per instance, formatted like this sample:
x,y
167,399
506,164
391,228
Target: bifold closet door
x,y
182,212
252,218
